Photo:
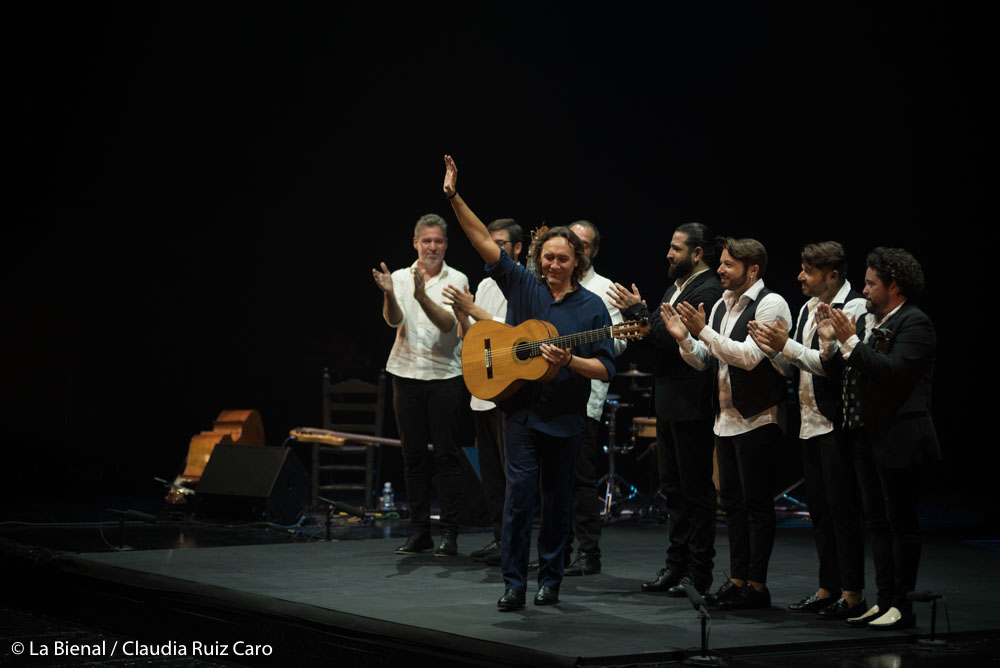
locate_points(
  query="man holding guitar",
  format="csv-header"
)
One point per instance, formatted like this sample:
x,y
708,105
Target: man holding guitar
x,y
545,420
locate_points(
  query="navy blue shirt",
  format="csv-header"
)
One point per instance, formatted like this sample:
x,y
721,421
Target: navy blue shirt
x,y
558,407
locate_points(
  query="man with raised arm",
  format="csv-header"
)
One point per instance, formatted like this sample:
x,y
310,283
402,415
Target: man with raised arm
x,y
489,304
683,399
827,461
545,421
427,388
749,388
886,360
586,504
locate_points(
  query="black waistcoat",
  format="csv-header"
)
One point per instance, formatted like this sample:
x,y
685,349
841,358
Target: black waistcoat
x,y
826,390
760,388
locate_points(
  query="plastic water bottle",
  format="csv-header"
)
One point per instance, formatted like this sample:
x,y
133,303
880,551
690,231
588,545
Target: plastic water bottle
x,y
388,503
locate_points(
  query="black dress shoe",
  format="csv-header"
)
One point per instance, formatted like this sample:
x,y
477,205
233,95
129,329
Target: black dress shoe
x,y
448,546
481,553
747,598
547,595
416,543
512,599
841,609
492,559
665,579
586,563
812,604
679,590
726,591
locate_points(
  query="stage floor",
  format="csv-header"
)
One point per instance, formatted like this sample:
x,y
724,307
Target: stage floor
x,y
362,586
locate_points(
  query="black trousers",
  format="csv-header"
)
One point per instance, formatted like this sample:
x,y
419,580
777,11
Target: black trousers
x,y
745,490
489,444
835,509
684,459
427,412
586,502
889,496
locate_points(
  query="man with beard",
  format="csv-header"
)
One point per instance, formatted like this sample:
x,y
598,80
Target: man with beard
x,y
683,398
827,462
428,391
887,361
749,389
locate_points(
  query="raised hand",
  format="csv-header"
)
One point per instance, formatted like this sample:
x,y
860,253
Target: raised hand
x,y
383,279
693,318
460,300
844,328
450,177
622,298
770,338
418,284
824,324
672,319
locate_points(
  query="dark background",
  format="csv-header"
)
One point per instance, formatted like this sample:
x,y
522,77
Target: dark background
x,y
200,193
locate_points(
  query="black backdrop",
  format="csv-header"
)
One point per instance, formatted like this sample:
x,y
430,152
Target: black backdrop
x,y
200,192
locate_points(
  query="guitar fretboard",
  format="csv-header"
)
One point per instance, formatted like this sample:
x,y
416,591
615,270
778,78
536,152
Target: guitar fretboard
x,y
571,340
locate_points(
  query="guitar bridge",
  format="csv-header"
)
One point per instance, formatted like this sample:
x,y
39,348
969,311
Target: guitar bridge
x,y
488,358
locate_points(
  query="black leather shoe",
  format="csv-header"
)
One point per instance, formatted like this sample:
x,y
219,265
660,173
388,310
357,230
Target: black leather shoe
x,y
481,553
841,609
665,579
586,564
727,590
679,590
492,559
512,599
416,543
747,598
448,546
547,595
813,604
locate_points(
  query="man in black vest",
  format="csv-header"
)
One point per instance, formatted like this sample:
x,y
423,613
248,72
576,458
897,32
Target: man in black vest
x,y
887,361
683,396
827,461
749,388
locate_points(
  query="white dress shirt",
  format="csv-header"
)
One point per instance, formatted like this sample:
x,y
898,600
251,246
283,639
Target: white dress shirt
x,y
490,299
600,285
742,354
422,351
807,360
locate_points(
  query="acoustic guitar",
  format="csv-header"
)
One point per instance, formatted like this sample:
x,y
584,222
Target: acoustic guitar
x,y
498,358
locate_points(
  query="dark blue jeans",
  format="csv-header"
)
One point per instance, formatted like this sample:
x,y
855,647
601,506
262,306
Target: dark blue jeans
x,y
544,464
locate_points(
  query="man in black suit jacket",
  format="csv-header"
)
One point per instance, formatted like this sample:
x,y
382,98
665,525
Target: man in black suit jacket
x,y
684,416
887,360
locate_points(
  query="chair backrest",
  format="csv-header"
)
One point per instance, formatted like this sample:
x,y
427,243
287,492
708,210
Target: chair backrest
x,y
354,405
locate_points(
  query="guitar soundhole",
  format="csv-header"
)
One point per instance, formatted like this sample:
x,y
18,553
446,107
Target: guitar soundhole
x,y
522,351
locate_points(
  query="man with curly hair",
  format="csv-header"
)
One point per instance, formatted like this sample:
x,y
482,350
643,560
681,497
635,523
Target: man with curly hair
x,y
887,361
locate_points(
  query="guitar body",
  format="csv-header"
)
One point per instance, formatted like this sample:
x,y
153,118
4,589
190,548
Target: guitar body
x,y
494,361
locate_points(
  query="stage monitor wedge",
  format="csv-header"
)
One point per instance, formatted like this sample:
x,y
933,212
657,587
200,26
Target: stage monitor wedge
x,y
248,483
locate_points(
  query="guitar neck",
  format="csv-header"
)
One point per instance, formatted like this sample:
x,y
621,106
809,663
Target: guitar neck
x,y
571,340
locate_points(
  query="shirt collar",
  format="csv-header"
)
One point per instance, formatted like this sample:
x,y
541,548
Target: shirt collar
x,y
751,294
680,286
839,298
